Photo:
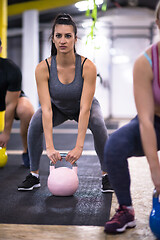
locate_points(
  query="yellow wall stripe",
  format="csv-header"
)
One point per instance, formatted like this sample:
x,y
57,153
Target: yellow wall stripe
x,y
39,5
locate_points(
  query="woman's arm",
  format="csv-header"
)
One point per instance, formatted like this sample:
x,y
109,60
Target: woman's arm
x,y
42,77
142,77
89,75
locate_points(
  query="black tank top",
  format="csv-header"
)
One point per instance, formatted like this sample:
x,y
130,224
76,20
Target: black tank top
x,y
66,97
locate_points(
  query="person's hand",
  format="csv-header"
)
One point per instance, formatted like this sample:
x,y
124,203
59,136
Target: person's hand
x,y
74,155
53,155
156,178
4,138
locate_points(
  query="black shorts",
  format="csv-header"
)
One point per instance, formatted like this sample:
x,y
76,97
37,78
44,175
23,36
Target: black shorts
x,y
22,94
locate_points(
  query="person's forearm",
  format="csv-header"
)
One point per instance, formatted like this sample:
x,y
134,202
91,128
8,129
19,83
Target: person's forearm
x,y
82,127
48,128
149,142
9,117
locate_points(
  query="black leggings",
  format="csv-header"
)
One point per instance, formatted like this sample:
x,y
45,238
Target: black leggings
x,y
122,144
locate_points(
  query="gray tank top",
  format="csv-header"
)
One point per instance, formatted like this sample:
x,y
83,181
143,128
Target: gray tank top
x,y
66,97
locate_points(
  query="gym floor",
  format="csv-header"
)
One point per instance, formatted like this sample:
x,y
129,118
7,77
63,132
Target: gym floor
x,y
141,187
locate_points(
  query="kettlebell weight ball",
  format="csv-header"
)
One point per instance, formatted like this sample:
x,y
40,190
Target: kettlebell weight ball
x,y
3,157
154,219
63,181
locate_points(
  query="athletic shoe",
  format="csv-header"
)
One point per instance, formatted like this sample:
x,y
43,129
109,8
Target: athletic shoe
x,y
26,161
123,218
29,183
106,187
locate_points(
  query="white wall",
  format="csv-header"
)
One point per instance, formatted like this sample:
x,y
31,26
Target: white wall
x,y
113,53
116,55
98,52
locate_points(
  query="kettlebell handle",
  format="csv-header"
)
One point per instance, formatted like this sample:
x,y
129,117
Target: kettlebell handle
x,y
156,199
155,194
63,155
3,148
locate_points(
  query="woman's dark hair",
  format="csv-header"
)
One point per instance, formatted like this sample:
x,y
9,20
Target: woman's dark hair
x,y
157,11
64,19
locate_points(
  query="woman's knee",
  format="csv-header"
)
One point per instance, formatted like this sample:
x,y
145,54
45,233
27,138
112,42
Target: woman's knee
x,y
96,122
96,119
109,149
118,146
36,122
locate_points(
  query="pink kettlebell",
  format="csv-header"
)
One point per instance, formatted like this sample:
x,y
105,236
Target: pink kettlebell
x,y
63,181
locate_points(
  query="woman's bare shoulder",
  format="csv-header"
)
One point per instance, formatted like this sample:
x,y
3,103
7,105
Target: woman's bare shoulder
x,y
88,63
142,66
42,66
142,60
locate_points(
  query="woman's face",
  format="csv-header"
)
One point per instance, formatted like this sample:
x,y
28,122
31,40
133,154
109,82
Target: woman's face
x,y
64,38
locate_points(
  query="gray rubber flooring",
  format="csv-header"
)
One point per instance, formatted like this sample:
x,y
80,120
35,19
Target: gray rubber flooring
x,y
88,206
